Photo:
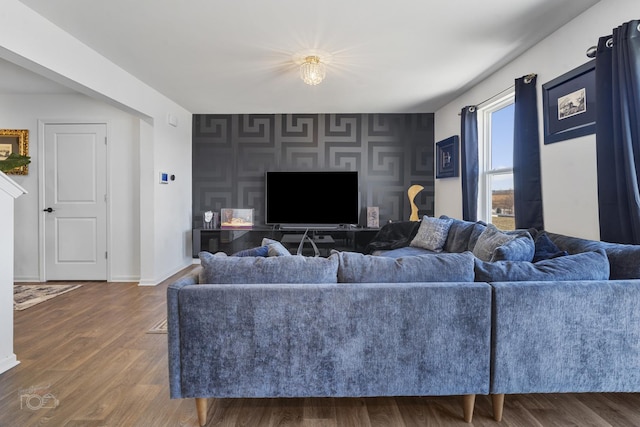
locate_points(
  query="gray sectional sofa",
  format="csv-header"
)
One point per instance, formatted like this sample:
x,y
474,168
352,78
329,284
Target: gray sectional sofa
x,y
422,317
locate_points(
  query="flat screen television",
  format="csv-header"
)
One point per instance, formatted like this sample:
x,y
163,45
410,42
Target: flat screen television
x,y
311,199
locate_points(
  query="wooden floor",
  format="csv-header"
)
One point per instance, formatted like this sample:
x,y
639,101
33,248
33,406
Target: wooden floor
x,y
89,349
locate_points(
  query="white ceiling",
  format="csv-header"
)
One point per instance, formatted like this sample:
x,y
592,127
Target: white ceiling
x,y
236,56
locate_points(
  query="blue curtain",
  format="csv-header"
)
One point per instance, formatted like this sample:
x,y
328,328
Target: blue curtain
x,y
618,133
526,156
469,154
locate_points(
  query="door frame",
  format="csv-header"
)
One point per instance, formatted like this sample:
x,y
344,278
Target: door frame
x,y
42,123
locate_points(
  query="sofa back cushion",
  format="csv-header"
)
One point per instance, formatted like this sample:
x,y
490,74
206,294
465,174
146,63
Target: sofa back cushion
x,y
623,259
280,269
583,266
442,267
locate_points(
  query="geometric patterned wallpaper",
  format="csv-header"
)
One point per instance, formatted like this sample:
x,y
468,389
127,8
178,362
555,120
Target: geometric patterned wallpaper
x,y
232,152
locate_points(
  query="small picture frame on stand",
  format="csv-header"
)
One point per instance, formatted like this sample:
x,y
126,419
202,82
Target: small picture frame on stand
x,y
236,218
373,217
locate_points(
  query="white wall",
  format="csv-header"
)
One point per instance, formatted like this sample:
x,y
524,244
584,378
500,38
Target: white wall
x,y
569,182
29,40
24,112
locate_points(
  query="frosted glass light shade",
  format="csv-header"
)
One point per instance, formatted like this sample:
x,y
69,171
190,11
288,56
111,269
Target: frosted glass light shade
x,y
312,70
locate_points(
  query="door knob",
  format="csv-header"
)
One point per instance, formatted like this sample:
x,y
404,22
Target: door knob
x,y
48,210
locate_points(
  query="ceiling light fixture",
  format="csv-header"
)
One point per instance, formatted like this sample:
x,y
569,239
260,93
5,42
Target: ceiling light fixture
x,y
312,70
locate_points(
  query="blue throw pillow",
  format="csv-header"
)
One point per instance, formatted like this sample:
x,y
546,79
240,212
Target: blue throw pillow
x,y
583,266
522,248
259,251
545,248
438,267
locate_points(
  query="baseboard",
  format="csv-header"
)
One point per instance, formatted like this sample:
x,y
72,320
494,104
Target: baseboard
x,y
8,363
148,283
165,276
125,279
26,279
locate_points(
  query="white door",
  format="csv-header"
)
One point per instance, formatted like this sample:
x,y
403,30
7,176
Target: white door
x,y
75,208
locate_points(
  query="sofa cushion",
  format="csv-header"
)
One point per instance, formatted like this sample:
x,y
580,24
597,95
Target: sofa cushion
x,y
402,252
496,245
462,235
283,269
438,267
583,266
432,234
624,259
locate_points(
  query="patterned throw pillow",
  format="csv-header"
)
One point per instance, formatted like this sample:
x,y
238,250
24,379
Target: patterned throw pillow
x,y
497,245
432,234
490,239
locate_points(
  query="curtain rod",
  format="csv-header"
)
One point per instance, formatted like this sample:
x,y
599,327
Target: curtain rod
x,y
527,79
592,52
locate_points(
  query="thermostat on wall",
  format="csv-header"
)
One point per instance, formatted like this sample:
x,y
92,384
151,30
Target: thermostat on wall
x,y
164,178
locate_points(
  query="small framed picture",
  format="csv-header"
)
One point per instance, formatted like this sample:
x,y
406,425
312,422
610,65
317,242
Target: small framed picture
x,y
569,104
373,217
236,218
447,157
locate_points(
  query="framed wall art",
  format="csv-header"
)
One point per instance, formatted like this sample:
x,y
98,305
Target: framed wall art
x,y
16,142
447,157
569,104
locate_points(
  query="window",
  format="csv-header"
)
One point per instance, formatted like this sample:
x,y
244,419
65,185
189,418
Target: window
x,y
495,180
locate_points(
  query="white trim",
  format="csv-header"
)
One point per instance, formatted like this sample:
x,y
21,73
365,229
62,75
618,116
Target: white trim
x,y
42,123
11,187
485,172
124,279
8,362
26,279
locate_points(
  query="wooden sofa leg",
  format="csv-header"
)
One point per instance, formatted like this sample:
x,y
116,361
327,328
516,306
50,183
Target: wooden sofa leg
x,y
498,405
468,402
201,407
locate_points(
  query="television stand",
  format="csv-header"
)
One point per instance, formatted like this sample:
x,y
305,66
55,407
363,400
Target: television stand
x,y
295,239
231,241
310,227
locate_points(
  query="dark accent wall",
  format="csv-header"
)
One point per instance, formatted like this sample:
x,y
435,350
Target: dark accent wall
x,y
231,153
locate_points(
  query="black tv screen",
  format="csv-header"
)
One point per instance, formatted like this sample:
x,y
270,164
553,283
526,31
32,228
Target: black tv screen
x,y
328,198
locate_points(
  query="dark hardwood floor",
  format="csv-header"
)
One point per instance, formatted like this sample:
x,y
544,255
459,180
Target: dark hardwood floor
x,y
89,349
